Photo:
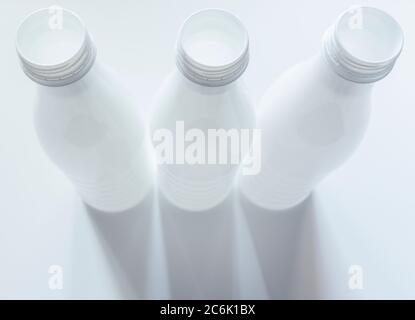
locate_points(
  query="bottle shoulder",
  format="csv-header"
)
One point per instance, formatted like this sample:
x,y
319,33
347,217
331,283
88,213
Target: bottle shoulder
x,y
180,100
303,116
97,106
311,84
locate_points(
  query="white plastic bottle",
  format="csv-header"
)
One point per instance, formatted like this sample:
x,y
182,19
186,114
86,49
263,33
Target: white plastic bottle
x,y
315,115
204,92
83,119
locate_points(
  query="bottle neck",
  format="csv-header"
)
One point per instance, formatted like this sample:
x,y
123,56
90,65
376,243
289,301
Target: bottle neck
x,y
208,76
65,73
333,80
212,48
203,89
96,78
363,45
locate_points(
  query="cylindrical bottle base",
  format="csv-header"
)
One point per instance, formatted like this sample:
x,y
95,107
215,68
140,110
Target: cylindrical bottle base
x,y
273,194
115,195
192,195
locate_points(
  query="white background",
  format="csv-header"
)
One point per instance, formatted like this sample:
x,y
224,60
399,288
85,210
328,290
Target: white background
x,y
363,214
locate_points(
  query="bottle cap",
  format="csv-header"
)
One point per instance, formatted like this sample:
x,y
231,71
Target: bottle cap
x,y
54,47
363,45
212,48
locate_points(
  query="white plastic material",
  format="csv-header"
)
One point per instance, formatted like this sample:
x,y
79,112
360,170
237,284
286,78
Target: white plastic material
x,y
54,53
93,133
363,44
212,48
312,118
198,187
201,105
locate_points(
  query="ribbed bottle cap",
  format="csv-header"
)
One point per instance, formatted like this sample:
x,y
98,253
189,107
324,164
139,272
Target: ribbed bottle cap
x,y
212,48
54,47
363,45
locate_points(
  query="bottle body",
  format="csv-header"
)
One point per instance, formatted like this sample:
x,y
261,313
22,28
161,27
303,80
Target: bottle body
x,y
183,104
311,121
94,134
315,115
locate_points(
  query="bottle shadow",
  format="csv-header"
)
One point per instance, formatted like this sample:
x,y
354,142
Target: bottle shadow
x,y
125,238
287,248
198,250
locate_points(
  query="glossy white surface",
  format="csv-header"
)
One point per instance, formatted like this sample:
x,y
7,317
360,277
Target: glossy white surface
x,y
362,214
